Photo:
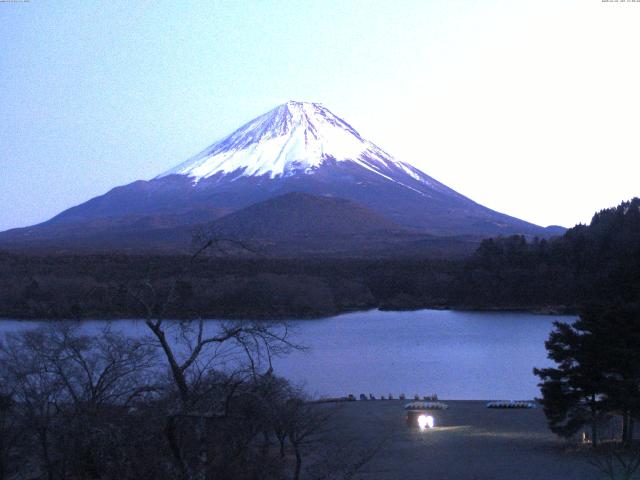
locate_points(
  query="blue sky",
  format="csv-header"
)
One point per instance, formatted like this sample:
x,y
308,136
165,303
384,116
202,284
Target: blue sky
x,y
527,107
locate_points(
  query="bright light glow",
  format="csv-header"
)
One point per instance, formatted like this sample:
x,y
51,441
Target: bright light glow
x,y
430,422
422,421
425,421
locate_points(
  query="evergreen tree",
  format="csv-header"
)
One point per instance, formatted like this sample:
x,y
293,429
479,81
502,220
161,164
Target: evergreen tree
x,y
573,391
597,373
617,328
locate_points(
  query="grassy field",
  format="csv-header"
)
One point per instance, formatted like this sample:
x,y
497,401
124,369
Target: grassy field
x,y
469,442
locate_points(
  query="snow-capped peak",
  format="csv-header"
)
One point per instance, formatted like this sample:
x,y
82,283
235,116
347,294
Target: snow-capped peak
x,y
295,137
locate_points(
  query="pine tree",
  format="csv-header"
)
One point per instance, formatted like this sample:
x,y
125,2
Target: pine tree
x,y
597,373
572,392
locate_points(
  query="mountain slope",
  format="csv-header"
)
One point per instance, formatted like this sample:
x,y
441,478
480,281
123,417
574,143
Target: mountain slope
x,y
301,214
296,147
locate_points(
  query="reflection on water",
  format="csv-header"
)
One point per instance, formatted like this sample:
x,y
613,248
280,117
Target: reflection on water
x,y
458,355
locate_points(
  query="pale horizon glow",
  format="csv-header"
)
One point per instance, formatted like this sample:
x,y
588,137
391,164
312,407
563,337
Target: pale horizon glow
x,y
529,108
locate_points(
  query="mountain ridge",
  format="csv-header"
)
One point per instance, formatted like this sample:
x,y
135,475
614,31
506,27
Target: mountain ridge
x,y
296,147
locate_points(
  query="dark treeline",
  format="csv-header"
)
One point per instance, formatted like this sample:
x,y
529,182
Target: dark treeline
x,y
559,274
100,286
595,263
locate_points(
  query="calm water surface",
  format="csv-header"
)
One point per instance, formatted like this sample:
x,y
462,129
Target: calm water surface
x,y
458,355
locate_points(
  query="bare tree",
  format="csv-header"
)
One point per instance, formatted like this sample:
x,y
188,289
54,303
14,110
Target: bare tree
x,y
10,436
304,424
192,350
68,392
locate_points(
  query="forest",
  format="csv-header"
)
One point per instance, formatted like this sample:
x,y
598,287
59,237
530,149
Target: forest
x,y
558,275
589,263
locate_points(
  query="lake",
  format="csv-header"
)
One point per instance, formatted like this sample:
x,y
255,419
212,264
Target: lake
x,y
458,355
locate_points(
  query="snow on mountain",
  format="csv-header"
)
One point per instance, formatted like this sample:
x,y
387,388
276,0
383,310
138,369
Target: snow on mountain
x,y
297,148
293,138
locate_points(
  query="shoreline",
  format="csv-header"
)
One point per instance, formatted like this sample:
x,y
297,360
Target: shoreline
x,y
266,316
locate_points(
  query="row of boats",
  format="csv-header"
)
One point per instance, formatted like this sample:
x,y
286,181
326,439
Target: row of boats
x,y
492,404
429,398
430,402
426,406
511,404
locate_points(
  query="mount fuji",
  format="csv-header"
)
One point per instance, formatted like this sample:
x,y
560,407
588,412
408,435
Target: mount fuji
x,y
299,153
